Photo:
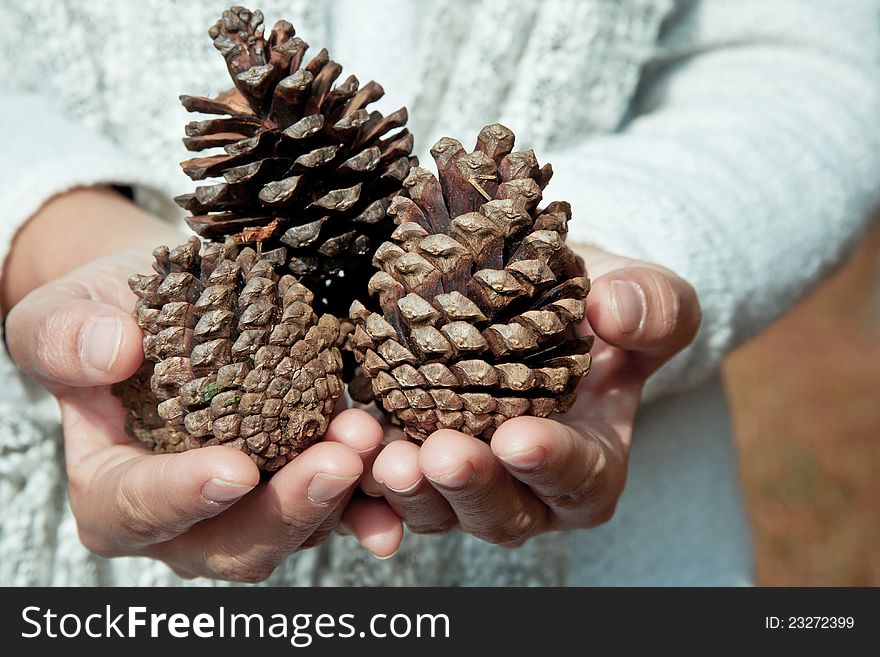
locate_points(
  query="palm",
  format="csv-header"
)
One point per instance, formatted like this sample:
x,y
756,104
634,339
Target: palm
x,y
556,473
203,512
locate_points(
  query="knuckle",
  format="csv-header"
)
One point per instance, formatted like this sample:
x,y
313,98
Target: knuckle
x,y
515,543
14,325
91,537
133,516
589,491
238,568
183,573
46,352
593,501
444,526
317,538
603,514
294,526
596,516
295,522
97,543
77,490
665,307
513,530
43,339
674,308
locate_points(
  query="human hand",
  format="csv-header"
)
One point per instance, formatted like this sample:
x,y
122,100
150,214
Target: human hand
x,y
203,512
540,475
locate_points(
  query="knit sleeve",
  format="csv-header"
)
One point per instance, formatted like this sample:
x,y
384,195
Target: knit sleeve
x,y
44,154
750,166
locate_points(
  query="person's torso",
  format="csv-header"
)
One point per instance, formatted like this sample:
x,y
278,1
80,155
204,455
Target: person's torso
x,y
554,71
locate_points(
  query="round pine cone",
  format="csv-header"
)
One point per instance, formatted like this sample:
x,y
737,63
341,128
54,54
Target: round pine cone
x,y
305,165
235,355
478,297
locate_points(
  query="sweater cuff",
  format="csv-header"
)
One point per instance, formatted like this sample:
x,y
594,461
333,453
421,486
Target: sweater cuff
x,y
625,212
48,155
621,209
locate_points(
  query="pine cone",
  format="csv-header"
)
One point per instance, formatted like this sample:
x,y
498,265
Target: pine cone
x,y
478,297
235,355
305,165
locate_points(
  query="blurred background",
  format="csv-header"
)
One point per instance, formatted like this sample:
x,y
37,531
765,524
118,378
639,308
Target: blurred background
x,y
806,408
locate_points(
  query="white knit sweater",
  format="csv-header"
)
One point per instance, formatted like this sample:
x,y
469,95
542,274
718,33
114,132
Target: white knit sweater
x,y
734,141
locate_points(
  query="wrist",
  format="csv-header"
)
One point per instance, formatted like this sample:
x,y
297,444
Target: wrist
x,y
72,229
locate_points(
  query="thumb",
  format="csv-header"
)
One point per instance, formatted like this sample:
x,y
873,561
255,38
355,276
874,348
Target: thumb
x,y
62,338
154,497
647,311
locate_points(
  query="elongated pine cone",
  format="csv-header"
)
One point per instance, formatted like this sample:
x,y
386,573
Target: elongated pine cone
x,y
305,164
478,297
235,355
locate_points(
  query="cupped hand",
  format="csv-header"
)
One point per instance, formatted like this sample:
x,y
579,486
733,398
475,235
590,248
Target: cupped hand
x,y
540,475
203,512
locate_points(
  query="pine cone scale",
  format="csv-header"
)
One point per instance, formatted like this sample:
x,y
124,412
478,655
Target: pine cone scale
x,y
227,340
478,297
296,150
473,298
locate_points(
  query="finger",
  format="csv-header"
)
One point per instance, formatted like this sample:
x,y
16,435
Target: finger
x,y
374,523
409,493
369,485
133,499
252,538
62,339
331,522
487,500
579,473
361,432
648,311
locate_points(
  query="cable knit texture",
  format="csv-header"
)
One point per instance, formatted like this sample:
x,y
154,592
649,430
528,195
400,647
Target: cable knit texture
x,y
735,142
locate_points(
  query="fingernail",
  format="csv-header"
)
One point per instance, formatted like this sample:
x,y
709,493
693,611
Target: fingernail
x,y
376,542
325,487
221,490
100,340
405,490
371,490
527,459
370,486
629,305
458,478
387,556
